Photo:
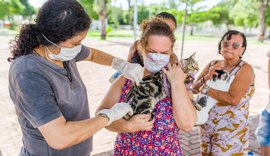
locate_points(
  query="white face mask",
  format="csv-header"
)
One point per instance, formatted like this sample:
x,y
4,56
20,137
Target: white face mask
x,y
65,54
154,62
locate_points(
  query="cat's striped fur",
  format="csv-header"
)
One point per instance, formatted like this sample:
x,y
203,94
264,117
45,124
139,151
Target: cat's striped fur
x,y
155,87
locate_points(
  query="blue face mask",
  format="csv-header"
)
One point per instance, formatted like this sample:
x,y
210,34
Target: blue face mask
x,y
154,62
65,54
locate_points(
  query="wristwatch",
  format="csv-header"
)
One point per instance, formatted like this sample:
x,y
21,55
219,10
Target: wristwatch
x,y
205,89
104,115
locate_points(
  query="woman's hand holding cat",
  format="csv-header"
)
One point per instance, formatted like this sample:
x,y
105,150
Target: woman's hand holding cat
x,y
212,71
140,122
175,74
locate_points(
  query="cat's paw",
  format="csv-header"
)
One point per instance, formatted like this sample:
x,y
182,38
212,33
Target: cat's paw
x,y
202,101
198,107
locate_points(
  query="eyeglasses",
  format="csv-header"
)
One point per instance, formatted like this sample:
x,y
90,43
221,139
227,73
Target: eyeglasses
x,y
227,44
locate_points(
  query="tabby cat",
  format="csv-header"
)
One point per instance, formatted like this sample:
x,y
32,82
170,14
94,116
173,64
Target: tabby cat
x,y
144,97
155,87
204,102
190,67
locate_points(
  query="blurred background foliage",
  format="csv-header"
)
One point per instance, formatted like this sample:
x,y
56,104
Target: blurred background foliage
x,y
247,15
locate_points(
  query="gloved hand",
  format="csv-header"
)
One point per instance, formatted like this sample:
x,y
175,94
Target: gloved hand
x,y
117,111
132,71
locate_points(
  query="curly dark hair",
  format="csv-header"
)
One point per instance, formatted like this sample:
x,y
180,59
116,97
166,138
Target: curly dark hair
x,y
228,36
57,20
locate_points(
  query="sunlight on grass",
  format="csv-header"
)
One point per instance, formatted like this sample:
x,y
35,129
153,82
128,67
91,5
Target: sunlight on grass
x,y
196,37
114,33
95,34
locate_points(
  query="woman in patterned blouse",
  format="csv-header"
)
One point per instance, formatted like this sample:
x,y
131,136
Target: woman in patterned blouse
x,y
226,131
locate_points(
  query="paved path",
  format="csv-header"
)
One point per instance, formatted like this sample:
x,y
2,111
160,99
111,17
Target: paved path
x,y
96,81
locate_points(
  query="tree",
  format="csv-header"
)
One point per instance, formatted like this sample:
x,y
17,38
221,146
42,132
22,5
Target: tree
x,y
89,7
9,8
143,13
116,17
219,14
178,14
267,19
101,7
244,17
28,10
263,5
129,13
173,4
191,9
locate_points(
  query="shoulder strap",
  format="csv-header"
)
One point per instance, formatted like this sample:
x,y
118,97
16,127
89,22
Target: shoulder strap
x,y
237,67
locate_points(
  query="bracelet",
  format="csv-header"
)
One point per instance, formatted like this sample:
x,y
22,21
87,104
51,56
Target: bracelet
x,y
105,114
205,89
203,79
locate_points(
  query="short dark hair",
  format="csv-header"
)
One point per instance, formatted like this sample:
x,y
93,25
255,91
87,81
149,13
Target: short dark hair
x,y
57,20
167,15
228,36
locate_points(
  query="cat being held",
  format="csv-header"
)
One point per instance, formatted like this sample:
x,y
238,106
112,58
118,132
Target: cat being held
x,y
144,97
190,67
204,103
153,88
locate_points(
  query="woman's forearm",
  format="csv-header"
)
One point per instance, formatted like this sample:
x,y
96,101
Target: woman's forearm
x,y
119,126
61,134
100,57
224,98
183,109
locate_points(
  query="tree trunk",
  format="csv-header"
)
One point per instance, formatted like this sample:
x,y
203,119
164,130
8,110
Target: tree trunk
x,y
129,13
262,9
269,33
191,30
103,27
102,17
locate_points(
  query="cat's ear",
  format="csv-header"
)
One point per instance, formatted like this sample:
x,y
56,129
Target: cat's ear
x,y
193,55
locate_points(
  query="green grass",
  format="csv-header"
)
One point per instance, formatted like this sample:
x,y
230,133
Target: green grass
x,y
129,34
113,34
197,37
95,34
